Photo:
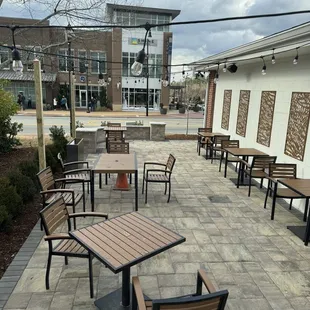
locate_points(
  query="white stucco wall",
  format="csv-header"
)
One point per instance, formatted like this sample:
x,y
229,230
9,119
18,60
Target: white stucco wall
x,y
284,78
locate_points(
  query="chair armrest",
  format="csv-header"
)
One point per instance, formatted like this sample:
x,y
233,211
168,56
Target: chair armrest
x,y
271,179
84,214
245,163
77,162
77,170
153,163
71,180
158,170
203,278
138,293
58,190
59,236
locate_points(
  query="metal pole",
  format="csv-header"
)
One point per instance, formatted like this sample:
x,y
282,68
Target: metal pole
x,y
87,89
72,107
187,115
69,93
147,78
39,112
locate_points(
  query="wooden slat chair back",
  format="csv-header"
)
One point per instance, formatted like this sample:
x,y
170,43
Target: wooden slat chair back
x,y
282,171
201,141
114,124
115,135
115,147
262,162
230,143
46,179
234,159
217,140
212,300
54,215
170,162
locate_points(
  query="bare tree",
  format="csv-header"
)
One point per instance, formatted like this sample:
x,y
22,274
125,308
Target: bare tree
x,y
62,12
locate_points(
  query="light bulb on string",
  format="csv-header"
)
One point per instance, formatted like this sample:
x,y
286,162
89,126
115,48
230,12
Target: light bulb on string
x,y
273,58
295,61
264,70
17,64
216,79
225,68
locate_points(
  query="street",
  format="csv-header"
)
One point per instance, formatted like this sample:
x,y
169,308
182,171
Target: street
x,y
174,125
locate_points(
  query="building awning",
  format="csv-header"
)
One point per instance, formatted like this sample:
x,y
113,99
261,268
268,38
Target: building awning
x,y
26,76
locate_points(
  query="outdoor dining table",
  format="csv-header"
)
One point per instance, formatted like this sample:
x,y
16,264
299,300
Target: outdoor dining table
x,y
301,187
245,153
116,128
114,163
122,242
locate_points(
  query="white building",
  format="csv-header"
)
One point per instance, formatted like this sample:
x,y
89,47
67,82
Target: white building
x,y
159,49
273,114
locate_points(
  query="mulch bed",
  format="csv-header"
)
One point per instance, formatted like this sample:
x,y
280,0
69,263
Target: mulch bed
x,y
21,227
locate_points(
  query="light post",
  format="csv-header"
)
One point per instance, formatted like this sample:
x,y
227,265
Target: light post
x,y
147,76
87,106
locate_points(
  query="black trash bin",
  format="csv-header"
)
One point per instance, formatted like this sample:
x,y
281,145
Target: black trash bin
x,y
75,152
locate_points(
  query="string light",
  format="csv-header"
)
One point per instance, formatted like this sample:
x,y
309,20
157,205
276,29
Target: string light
x,y
273,58
295,61
225,67
216,79
264,69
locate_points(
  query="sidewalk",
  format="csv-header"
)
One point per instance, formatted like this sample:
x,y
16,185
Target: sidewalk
x,y
128,114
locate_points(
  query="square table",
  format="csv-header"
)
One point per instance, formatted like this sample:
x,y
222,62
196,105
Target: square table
x,y
245,153
301,187
114,163
116,128
122,242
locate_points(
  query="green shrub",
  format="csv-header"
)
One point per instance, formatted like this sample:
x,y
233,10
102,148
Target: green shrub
x,y
29,169
9,198
8,130
25,187
5,218
51,157
59,139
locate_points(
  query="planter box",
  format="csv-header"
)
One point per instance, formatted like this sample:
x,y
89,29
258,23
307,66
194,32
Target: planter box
x,y
137,133
163,111
158,131
89,135
182,110
75,152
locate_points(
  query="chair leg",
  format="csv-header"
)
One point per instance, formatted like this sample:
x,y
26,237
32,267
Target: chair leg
x,y
212,155
47,274
239,172
221,159
291,202
106,178
130,178
74,220
273,208
165,188
84,202
145,192
100,180
225,169
87,187
134,302
198,146
250,184
267,193
169,192
143,185
66,260
90,270
261,183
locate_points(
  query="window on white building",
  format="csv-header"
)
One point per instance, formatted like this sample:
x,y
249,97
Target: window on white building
x,y
98,64
63,61
5,56
82,61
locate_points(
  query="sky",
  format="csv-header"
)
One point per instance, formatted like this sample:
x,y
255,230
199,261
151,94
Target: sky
x,y
194,42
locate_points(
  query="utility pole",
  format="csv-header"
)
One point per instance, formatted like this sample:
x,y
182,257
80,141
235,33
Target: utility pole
x,y
72,106
147,78
69,62
39,112
187,110
87,105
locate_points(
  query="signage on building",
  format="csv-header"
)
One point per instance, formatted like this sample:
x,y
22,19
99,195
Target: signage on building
x,y
140,41
82,79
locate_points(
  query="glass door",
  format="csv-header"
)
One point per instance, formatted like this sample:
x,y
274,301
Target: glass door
x,y
83,98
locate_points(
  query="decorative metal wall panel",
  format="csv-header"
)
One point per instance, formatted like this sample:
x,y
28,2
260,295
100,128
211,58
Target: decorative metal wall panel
x,y
268,100
226,109
243,109
297,127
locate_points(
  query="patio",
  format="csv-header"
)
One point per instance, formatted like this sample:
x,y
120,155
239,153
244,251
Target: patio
x,y
260,262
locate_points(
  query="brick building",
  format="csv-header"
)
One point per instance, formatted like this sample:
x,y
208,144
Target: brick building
x,y
110,52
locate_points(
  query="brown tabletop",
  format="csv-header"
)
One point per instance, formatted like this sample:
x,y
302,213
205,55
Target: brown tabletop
x,y
301,187
244,151
210,134
122,242
115,163
119,128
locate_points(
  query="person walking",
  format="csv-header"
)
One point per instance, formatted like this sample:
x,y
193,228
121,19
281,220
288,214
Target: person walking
x,y
55,103
29,103
64,103
23,98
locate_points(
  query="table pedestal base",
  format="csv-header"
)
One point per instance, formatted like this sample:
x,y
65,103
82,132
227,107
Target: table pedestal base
x,y
299,231
244,183
112,301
